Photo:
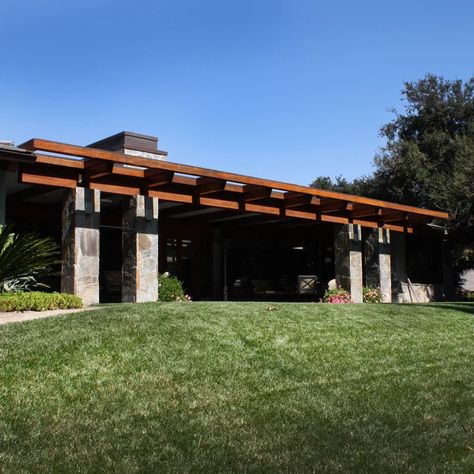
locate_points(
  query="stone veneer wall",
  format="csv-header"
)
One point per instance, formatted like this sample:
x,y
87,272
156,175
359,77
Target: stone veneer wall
x,y
81,244
420,293
377,261
348,259
140,249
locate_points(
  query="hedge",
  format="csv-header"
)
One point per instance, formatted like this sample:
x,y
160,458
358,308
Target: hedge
x,y
37,301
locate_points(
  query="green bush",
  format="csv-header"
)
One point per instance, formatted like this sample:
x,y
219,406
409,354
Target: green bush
x,y
37,301
371,295
170,288
25,259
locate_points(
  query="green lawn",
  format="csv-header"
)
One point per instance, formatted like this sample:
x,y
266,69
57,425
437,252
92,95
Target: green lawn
x,y
216,387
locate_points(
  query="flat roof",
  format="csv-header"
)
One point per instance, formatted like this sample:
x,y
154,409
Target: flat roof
x,y
68,166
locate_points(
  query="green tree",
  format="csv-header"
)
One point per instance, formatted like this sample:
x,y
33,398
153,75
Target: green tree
x,y
428,159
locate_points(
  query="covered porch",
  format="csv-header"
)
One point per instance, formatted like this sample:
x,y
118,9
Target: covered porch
x,y
123,213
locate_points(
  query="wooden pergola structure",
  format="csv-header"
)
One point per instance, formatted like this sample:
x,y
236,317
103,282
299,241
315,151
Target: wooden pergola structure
x,y
60,165
119,207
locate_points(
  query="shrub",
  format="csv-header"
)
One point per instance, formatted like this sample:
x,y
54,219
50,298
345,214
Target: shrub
x,y
371,295
170,288
37,301
24,258
338,295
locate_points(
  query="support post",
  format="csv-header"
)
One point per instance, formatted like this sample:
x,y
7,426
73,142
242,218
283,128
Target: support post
x,y
81,244
348,259
399,269
140,249
377,262
385,265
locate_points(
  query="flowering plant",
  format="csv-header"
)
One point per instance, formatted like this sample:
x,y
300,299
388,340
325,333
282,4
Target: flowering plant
x,y
170,288
338,295
185,298
371,295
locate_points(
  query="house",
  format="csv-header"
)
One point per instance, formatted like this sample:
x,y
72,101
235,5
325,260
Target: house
x,y
122,211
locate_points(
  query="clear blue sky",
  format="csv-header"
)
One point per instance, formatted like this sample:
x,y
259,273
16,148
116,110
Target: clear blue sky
x,y
284,89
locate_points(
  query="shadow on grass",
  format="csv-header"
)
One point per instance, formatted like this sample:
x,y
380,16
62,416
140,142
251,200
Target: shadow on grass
x,y
465,307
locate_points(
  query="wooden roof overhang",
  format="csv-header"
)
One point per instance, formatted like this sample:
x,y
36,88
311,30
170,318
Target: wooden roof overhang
x,y
67,166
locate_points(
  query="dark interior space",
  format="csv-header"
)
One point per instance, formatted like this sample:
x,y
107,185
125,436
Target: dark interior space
x,y
424,257
238,259
286,269
39,211
110,273
110,269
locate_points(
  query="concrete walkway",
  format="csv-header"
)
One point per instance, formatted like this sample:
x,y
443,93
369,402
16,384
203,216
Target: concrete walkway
x,y
17,317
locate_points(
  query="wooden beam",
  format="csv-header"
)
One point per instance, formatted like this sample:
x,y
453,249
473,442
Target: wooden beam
x,y
207,186
204,201
366,212
298,200
45,145
276,211
155,178
313,216
224,204
168,196
255,193
122,170
30,178
97,170
337,206
58,161
115,189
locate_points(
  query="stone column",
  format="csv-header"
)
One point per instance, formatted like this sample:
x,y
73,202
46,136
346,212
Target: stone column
x,y
385,268
3,197
81,244
348,259
377,261
140,250
399,270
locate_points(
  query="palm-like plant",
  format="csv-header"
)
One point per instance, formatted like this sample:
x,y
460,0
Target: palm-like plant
x,y
24,259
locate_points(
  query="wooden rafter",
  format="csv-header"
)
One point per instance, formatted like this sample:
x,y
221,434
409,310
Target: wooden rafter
x,y
336,206
255,193
132,175
74,150
155,178
366,211
298,200
205,186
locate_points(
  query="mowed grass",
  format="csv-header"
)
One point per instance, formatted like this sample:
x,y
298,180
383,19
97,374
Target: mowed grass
x,y
236,387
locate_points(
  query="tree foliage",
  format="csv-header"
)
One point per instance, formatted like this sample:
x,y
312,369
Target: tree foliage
x,y
24,259
428,159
